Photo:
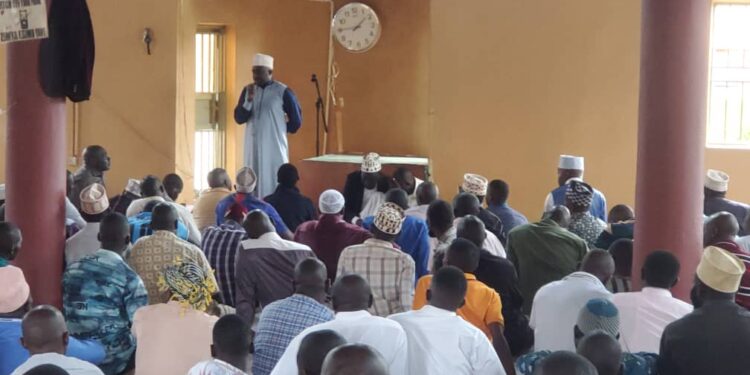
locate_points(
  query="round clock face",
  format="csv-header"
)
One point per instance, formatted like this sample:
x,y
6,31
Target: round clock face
x,y
356,27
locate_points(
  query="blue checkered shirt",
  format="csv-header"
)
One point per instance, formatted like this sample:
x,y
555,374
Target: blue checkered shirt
x,y
220,244
279,323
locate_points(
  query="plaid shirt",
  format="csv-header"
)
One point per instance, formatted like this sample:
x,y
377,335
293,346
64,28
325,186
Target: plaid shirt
x,y
389,271
279,323
220,244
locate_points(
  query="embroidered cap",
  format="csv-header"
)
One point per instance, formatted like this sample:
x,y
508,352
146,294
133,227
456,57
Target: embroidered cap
x,y
371,163
720,270
133,187
571,162
580,194
716,180
246,180
475,184
15,290
94,199
331,202
263,60
599,314
389,218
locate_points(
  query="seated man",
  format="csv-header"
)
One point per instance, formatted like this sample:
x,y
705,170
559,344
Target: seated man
x,y
477,185
351,297
578,198
389,271
15,302
152,189
465,204
603,351
314,348
330,234
293,207
363,191
566,363
414,238
244,201
150,255
265,266
557,304
173,186
715,199
221,245
230,349
95,163
622,253
482,305
440,342
720,230
440,221
204,209
404,179
620,224
140,225
497,203
174,336
354,359
101,294
427,192
94,206
45,336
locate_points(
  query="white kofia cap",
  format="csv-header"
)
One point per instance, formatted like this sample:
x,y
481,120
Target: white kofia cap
x,y
133,187
371,163
717,180
246,180
94,199
475,184
389,218
331,202
263,60
571,162
720,270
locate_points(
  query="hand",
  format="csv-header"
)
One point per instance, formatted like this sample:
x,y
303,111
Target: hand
x,y
249,92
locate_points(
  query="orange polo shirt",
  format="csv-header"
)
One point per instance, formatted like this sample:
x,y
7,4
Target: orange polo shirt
x,y
482,307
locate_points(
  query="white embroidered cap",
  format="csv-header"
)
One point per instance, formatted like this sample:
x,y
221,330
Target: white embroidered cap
x,y
475,184
263,60
133,187
331,202
389,218
571,162
720,270
94,199
246,180
371,163
716,180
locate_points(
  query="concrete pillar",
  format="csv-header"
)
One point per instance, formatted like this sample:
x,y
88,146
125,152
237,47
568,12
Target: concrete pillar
x,y
35,172
671,133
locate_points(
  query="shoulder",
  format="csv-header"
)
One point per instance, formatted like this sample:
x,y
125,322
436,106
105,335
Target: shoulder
x,y
387,324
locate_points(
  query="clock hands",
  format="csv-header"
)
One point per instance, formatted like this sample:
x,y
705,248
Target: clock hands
x,y
354,28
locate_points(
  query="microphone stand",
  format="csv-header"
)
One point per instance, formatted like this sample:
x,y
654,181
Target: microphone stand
x,y
320,112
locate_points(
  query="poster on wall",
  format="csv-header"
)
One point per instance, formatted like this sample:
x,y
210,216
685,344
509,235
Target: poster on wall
x,y
22,20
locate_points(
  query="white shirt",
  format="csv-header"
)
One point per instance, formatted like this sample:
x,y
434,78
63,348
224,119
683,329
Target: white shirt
x,y
491,242
372,199
644,315
357,327
743,242
413,195
73,366
72,216
215,367
85,242
556,307
441,342
194,234
419,212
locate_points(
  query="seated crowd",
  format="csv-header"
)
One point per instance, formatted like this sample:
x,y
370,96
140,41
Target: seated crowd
x,y
381,278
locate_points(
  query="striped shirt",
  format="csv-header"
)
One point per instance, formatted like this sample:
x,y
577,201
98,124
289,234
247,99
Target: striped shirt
x,y
389,271
220,244
279,323
743,294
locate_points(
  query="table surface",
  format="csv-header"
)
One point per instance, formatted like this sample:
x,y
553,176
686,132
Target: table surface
x,y
357,159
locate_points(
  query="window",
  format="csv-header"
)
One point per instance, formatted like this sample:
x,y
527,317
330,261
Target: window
x,y
729,98
209,104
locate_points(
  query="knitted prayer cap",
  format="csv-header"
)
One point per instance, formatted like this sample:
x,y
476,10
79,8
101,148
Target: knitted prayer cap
x,y
475,184
188,284
599,314
580,194
331,202
389,218
371,163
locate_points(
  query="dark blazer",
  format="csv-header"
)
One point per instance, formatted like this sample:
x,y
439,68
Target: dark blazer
x,y
738,209
354,191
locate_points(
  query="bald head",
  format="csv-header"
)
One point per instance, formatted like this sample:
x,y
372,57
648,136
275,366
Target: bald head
x,y
398,197
560,215
603,351
720,227
257,223
471,228
427,193
44,331
219,178
314,348
565,363
164,217
354,359
600,264
620,213
351,293
10,240
466,204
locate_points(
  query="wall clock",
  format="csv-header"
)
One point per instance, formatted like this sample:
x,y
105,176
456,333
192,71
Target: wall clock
x,y
356,27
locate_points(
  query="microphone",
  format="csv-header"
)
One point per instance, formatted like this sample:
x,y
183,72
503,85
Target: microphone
x,y
314,78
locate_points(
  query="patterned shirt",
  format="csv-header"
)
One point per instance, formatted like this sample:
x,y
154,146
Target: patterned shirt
x,y
632,363
586,226
100,296
151,254
389,271
215,367
220,244
279,323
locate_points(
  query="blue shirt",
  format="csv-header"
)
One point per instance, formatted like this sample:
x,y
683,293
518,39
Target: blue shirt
x,y
279,323
140,226
100,296
508,216
414,240
249,203
632,363
13,354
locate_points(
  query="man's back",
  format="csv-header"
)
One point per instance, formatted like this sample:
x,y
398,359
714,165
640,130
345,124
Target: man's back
x,y
293,207
711,340
204,210
83,243
328,237
73,366
644,315
556,308
440,342
389,271
543,252
221,244
249,203
738,209
414,240
386,336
